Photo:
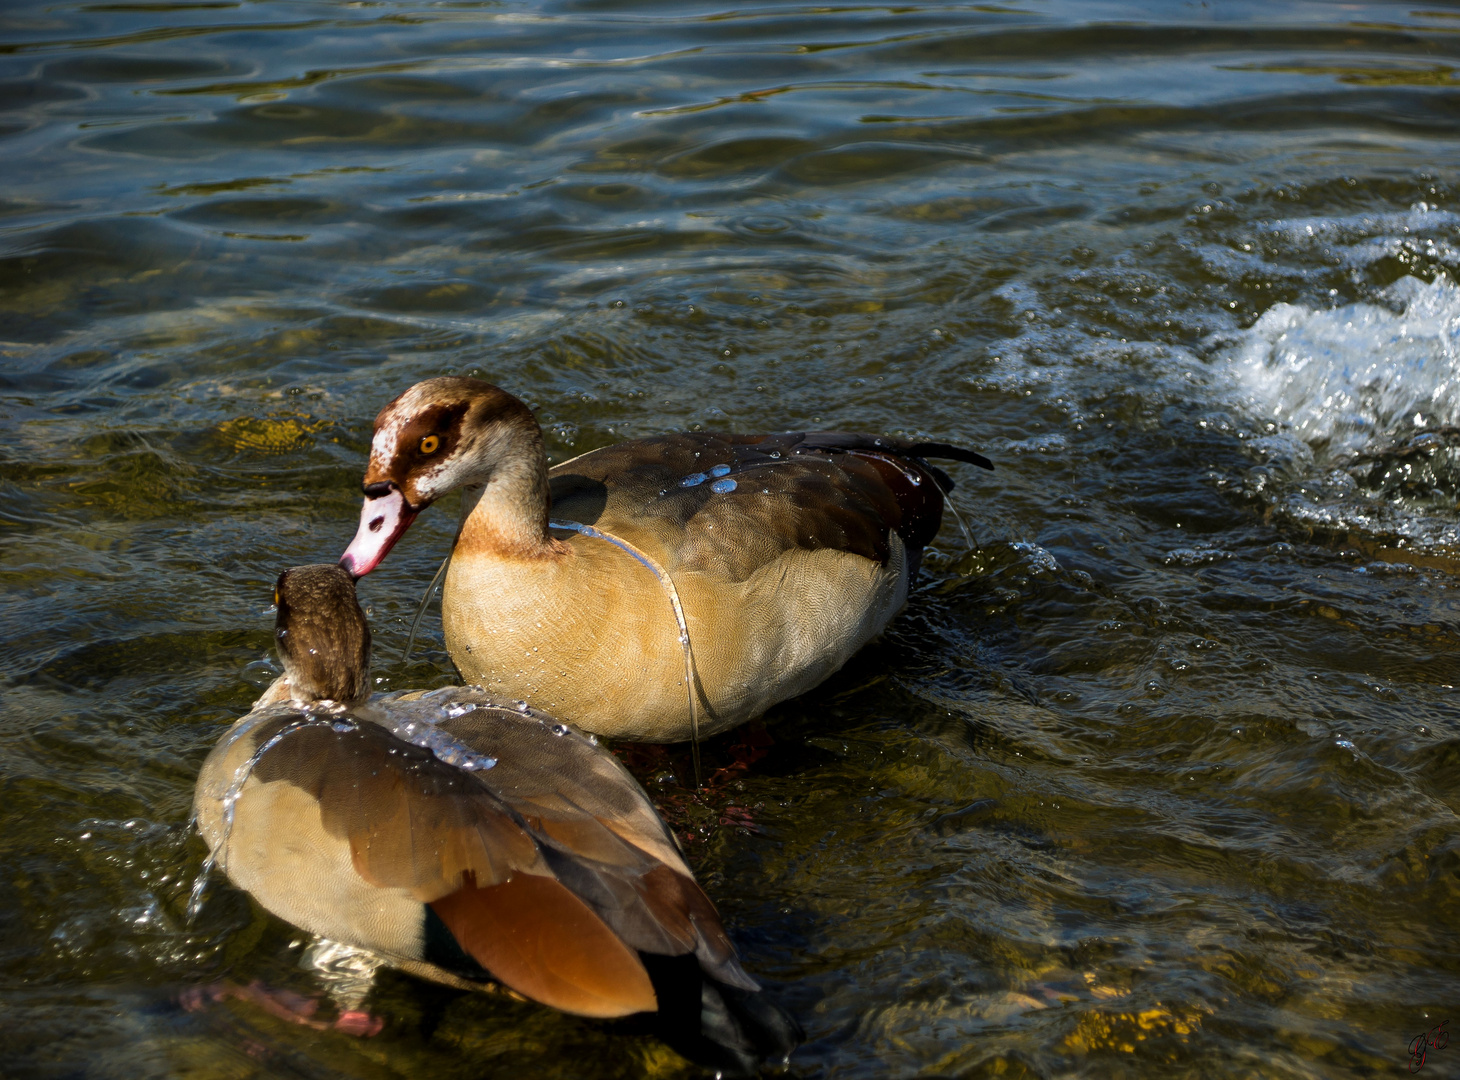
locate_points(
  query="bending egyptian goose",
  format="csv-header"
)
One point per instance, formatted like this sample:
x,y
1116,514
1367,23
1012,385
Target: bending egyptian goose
x,y
465,841
786,554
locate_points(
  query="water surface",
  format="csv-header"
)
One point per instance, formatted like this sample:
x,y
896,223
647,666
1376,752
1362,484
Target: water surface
x,y
1161,778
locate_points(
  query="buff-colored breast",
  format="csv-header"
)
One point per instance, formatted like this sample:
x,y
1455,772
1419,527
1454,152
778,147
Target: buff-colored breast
x,y
592,637
278,849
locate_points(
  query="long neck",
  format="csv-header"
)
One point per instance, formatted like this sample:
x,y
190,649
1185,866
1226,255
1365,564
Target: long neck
x,y
507,516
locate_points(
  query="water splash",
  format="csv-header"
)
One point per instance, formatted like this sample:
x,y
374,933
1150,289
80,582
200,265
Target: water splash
x,y
219,855
1339,378
196,894
1362,406
444,746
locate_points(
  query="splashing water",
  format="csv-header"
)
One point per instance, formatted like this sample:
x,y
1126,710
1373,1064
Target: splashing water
x,y
219,855
444,746
1337,379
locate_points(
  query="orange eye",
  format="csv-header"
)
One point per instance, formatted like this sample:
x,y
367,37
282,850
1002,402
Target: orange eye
x,y
429,444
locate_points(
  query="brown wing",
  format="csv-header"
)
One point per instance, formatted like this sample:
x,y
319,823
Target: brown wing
x,y
536,936
412,821
595,827
547,868
821,490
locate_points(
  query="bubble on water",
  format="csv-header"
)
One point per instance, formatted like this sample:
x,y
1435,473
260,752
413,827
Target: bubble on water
x,y
693,479
1198,555
1347,744
1038,560
723,487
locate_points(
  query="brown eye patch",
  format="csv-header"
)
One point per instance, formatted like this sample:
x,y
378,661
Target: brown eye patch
x,y
433,430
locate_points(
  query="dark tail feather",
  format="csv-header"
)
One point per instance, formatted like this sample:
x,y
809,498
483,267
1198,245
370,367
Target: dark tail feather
x,y
720,1027
949,452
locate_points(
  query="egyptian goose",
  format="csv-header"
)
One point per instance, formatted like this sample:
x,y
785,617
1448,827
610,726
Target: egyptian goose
x,y
777,556
466,841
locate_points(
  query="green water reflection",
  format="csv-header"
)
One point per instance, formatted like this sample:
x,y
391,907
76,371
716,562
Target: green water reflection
x,y
1160,779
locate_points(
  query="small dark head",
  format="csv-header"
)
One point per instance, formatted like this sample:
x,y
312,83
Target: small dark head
x,y
321,633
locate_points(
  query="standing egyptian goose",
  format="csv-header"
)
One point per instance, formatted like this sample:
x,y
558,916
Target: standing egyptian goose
x,y
465,841
787,553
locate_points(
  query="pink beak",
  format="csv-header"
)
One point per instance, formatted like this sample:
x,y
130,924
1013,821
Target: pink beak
x,y
383,519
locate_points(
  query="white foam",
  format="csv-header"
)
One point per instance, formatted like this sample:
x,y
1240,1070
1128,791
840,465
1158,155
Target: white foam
x,y
1339,378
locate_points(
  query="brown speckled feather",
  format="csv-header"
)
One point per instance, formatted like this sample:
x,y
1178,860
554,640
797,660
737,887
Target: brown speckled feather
x,y
795,490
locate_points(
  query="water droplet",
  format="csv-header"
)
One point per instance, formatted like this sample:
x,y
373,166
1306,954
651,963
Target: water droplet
x,y
693,479
560,729
720,470
723,487
1347,744
342,726
776,454
522,706
460,709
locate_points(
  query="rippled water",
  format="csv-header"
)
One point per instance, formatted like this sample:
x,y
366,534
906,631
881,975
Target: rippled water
x,y
1160,779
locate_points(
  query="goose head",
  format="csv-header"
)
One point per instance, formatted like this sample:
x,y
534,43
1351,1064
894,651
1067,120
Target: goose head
x,y
322,636
440,435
